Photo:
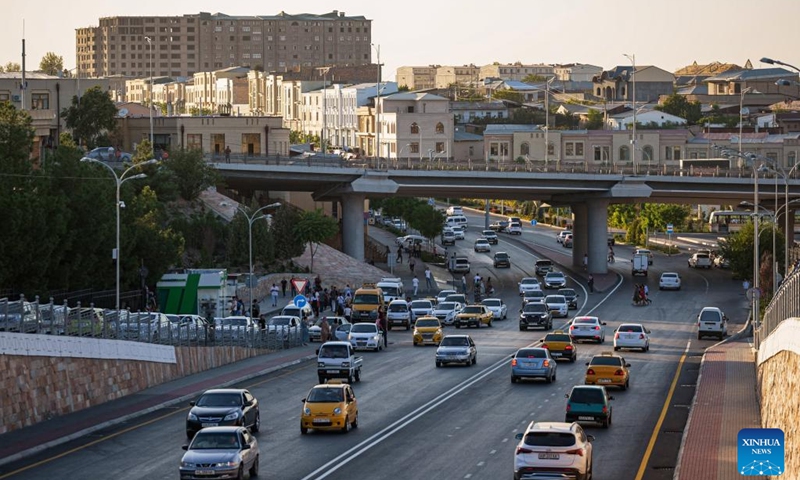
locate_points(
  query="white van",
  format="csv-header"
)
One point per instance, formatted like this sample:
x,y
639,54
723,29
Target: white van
x,y
392,289
456,220
712,322
293,310
455,210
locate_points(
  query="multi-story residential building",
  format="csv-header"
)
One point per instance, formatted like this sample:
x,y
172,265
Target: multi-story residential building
x,y
466,112
417,78
222,91
515,71
454,75
617,84
415,124
576,72
183,45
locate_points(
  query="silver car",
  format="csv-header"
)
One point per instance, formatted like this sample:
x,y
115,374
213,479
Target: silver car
x,y
587,328
555,280
456,349
557,305
220,452
446,312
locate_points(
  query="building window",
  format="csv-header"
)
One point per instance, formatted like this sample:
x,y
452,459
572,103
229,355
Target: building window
x,y
471,151
551,148
40,101
439,147
410,109
602,153
624,154
667,153
440,127
791,158
572,149
414,128
524,148
5,96
647,152
413,147
194,141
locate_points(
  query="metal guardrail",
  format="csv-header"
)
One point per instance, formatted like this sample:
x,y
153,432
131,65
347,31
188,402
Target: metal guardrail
x,y
785,304
24,316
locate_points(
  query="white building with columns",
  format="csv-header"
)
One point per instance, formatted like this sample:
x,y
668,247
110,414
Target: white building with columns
x,y
416,125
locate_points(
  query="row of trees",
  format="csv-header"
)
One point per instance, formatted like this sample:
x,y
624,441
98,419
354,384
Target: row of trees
x,y
424,218
50,64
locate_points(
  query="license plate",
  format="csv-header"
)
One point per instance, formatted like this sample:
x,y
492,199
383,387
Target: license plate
x,y
548,456
585,418
204,472
204,425
321,421
604,380
552,354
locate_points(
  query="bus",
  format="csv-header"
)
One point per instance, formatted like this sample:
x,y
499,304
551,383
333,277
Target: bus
x,y
729,221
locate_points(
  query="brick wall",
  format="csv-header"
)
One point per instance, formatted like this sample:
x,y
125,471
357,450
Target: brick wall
x,y
33,389
778,384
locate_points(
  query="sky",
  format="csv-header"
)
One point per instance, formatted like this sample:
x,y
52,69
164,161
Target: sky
x,y
669,35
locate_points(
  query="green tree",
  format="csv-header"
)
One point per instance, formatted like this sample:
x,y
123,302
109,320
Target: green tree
x,y
657,216
595,120
680,106
51,63
91,116
16,139
533,78
190,172
427,220
314,227
12,67
283,223
738,249
508,95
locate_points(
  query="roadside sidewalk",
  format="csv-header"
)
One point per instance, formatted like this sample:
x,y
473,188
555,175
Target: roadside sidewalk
x,y
725,402
28,441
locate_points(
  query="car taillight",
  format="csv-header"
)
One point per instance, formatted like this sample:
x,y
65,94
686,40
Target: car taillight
x,y
605,409
568,347
523,450
572,327
569,407
616,335
590,372
575,451
641,336
544,345
513,362
546,363
619,373
597,328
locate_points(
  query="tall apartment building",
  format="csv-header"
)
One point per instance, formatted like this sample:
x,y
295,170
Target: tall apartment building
x,y
515,71
179,46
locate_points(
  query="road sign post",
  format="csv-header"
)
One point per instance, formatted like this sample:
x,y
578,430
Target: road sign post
x,y
299,285
669,239
391,261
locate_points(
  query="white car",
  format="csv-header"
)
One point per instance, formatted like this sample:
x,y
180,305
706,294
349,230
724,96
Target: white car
x,y
443,294
398,313
446,312
632,335
283,327
529,283
235,328
562,235
587,328
410,240
420,308
515,229
555,280
547,447
498,308
458,230
533,296
669,281
490,236
482,245
557,304
366,336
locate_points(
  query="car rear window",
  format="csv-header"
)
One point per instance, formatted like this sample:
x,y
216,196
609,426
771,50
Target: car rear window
x,y
586,395
610,361
630,328
556,337
585,321
550,439
709,316
567,292
532,353
543,263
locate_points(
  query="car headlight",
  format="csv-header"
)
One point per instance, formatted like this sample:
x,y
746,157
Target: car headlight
x,y
187,465
320,364
192,417
232,416
307,411
337,411
228,464
346,364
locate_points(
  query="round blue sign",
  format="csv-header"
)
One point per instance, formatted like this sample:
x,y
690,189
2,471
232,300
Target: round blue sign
x,y
533,223
300,301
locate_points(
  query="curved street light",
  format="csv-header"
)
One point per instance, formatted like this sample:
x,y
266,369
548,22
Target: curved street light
x,y
251,219
120,179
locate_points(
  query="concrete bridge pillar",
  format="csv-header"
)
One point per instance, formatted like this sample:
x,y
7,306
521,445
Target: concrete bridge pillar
x,y
579,233
598,236
353,225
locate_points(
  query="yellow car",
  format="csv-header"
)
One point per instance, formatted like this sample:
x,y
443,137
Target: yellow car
x,y
474,316
560,345
330,406
608,369
427,330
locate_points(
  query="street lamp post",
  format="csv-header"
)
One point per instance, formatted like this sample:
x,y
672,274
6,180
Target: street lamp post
x,y
400,153
250,220
632,58
120,179
378,106
547,121
150,52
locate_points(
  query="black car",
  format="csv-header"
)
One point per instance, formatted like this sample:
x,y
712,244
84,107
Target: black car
x,y
223,407
535,315
501,259
572,297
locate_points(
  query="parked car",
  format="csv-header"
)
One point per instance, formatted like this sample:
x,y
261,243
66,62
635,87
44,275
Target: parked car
x,y
533,363
283,327
223,407
339,326
221,452
190,328
19,316
144,327
456,349
547,447
237,329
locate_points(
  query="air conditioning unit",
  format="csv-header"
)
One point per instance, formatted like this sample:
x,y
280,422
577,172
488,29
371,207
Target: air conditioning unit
x,y
16,98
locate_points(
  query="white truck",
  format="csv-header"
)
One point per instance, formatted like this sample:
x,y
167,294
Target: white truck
x,y
639,262
338,360
393,289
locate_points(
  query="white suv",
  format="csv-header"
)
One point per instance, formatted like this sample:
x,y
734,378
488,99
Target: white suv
x,y
548,447
712,322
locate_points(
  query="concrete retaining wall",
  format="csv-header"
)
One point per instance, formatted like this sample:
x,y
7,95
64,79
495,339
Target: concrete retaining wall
x,y
33,389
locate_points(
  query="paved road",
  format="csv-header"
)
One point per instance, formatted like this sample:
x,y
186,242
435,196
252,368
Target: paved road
x,y
417,421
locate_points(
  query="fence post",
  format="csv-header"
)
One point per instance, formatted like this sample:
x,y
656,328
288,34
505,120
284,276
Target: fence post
x,y
80,324
37,317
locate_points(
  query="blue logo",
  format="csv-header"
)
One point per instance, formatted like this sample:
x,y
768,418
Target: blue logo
x,y
760,451
300,301
533,223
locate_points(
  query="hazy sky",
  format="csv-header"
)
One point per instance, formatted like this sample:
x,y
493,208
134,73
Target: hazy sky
x,y
669,34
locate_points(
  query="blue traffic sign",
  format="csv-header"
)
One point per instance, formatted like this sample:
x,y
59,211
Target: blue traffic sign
x,y
669,228
300,301
533,223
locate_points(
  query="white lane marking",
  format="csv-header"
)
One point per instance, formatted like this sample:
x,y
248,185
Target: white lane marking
x,y
469,475
481,463
504,440
492,452
362,447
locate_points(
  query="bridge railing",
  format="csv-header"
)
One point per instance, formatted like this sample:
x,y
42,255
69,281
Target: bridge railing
x,y
785,304
451,164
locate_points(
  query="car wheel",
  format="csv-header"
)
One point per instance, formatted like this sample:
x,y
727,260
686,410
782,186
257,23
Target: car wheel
x,y
458,325
189,435
505,316
346,426
549,379
438,364
254,469
625,385
257,424
514,379
350,379
303,430
699,336
490,324
408,326
616,349
474,359
355,422
321,379
522,329
572,360
554,376
646,348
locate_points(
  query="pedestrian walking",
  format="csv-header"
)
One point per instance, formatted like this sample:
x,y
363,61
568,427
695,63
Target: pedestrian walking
x,y
647,294
304,329
400,254
411,264
274,293
591,283
227,154
383,325
255,310
415,284
428,279
585,262
464,284
325,329
283,287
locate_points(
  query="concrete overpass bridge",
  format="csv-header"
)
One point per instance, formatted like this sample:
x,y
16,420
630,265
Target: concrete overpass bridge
x,y
587,192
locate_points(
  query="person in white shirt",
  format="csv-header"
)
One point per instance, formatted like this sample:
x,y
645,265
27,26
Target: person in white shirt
x,y
274,293
428,279
415,284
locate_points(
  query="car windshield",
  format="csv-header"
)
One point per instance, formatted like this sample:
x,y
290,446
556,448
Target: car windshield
x,y
488,233
234,322
325,395
454,342
492,302
535,308
587,395
391,290
398,307
215,441
427,323
553,275
334,351
364,328
446,306
555,299
669,276
279,321
567,292
557,337
703,255
456,298
550,439
220,400
534,294
472,309
421,304
365,299
531,353
630,328
481,241
529,281
608,361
